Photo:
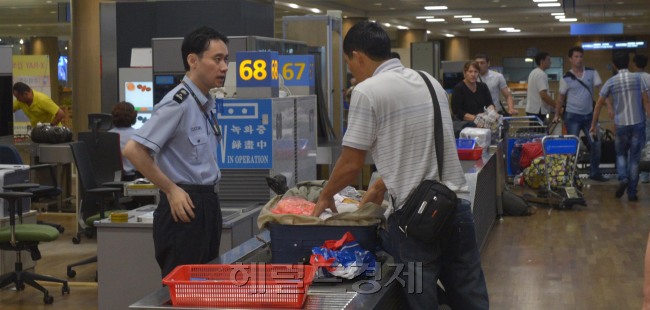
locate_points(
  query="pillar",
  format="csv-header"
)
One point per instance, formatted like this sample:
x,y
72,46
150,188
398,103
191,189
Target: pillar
x,y
48,46
85,62
406,37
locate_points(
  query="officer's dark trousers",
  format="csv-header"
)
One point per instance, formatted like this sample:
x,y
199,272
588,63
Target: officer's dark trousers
x,y
196,242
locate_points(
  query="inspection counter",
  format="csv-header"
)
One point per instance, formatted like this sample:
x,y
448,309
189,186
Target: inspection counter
x,y
126,264
481,175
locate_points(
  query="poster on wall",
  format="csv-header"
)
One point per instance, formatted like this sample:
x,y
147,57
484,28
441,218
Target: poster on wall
x,y
33,70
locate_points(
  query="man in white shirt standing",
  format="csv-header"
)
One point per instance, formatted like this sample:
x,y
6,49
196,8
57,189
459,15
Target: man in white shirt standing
x,y
577,87
496,84
538,101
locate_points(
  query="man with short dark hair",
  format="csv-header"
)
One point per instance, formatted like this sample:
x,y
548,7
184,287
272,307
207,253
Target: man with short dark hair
x,y
496,84
538,100
38,107
176,150
639,63
629,95
577,87
391,116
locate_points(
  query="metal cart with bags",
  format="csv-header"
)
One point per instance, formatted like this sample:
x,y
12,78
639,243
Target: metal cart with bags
x,y
516,131
561,164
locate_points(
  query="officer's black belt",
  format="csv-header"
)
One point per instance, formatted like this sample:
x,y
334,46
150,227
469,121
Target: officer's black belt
x,y
197,188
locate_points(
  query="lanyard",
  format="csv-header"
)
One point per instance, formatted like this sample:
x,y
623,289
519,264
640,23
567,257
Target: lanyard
x,y
210,118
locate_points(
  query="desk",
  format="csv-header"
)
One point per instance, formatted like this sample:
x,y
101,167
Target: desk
x,y
126,264
481,177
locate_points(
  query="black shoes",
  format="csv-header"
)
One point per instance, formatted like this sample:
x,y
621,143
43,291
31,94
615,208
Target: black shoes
x,y
599,178
621,189
633,198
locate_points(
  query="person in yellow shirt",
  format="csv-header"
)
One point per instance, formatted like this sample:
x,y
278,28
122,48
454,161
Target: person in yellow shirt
x,y
36,105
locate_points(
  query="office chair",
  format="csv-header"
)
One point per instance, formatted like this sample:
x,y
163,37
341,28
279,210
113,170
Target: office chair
x,y
25,237
9,155
87,212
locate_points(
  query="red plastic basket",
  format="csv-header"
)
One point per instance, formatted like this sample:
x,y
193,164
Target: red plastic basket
x,y
244,286
474,154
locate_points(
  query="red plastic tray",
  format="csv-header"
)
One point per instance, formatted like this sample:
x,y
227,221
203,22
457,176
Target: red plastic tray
x,y
242,286
470,154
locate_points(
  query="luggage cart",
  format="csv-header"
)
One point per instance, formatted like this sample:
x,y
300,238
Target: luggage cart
x,y
519,128
566,196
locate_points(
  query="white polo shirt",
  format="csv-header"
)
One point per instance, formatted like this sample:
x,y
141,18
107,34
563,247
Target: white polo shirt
x,y
537,81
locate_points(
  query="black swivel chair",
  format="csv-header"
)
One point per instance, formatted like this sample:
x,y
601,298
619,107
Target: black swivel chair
x,y
9,156
93,204
25,237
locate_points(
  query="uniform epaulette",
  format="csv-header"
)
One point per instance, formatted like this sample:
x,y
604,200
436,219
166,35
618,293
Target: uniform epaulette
x,y
180,95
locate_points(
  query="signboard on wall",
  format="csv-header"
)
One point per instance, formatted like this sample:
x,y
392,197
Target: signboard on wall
x,y
246,134
33,70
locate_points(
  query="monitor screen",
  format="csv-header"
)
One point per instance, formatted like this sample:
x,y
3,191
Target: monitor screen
x,y
141,119
62,68
140,94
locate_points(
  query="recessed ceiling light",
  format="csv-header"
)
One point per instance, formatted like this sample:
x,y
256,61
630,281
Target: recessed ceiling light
x,y
377,3
449,35
548,5
480,22
423,17
435,7
66,48
293,5
315,10
21,41
391,9
52,12
402,27
462,16
428,31
477,29
435,20
20,25
387,24
568,20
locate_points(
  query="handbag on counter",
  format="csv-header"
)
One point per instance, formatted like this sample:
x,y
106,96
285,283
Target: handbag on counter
x,y
429,207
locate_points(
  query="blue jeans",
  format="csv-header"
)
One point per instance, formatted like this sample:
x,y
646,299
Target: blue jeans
x,y
574,124
645,176
454,259
629,143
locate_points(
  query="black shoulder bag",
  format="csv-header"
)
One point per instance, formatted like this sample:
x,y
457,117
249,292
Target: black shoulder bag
x,y
429,207
574,77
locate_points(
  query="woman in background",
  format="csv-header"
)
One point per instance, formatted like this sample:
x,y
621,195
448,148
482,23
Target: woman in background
x,y
470,97
124,116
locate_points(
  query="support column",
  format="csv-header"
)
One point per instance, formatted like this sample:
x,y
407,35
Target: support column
x,y
48,46
406,37
85,62
457,49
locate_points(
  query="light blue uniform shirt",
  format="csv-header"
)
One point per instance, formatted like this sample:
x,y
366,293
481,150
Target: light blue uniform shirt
x,y
181,138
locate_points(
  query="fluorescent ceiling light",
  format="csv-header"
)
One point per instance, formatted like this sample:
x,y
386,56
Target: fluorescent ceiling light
x,y
315,10
528,60
477,29
435,7
548,5
462,16
506,28
514,30
387,24
560,17
293,5
423,17
402,27
568,20
435,20
556,14
449,35
544,0
480,22
469,19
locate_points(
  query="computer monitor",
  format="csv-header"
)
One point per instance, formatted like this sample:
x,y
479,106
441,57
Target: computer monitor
x,y
140,94
100,121
141,119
